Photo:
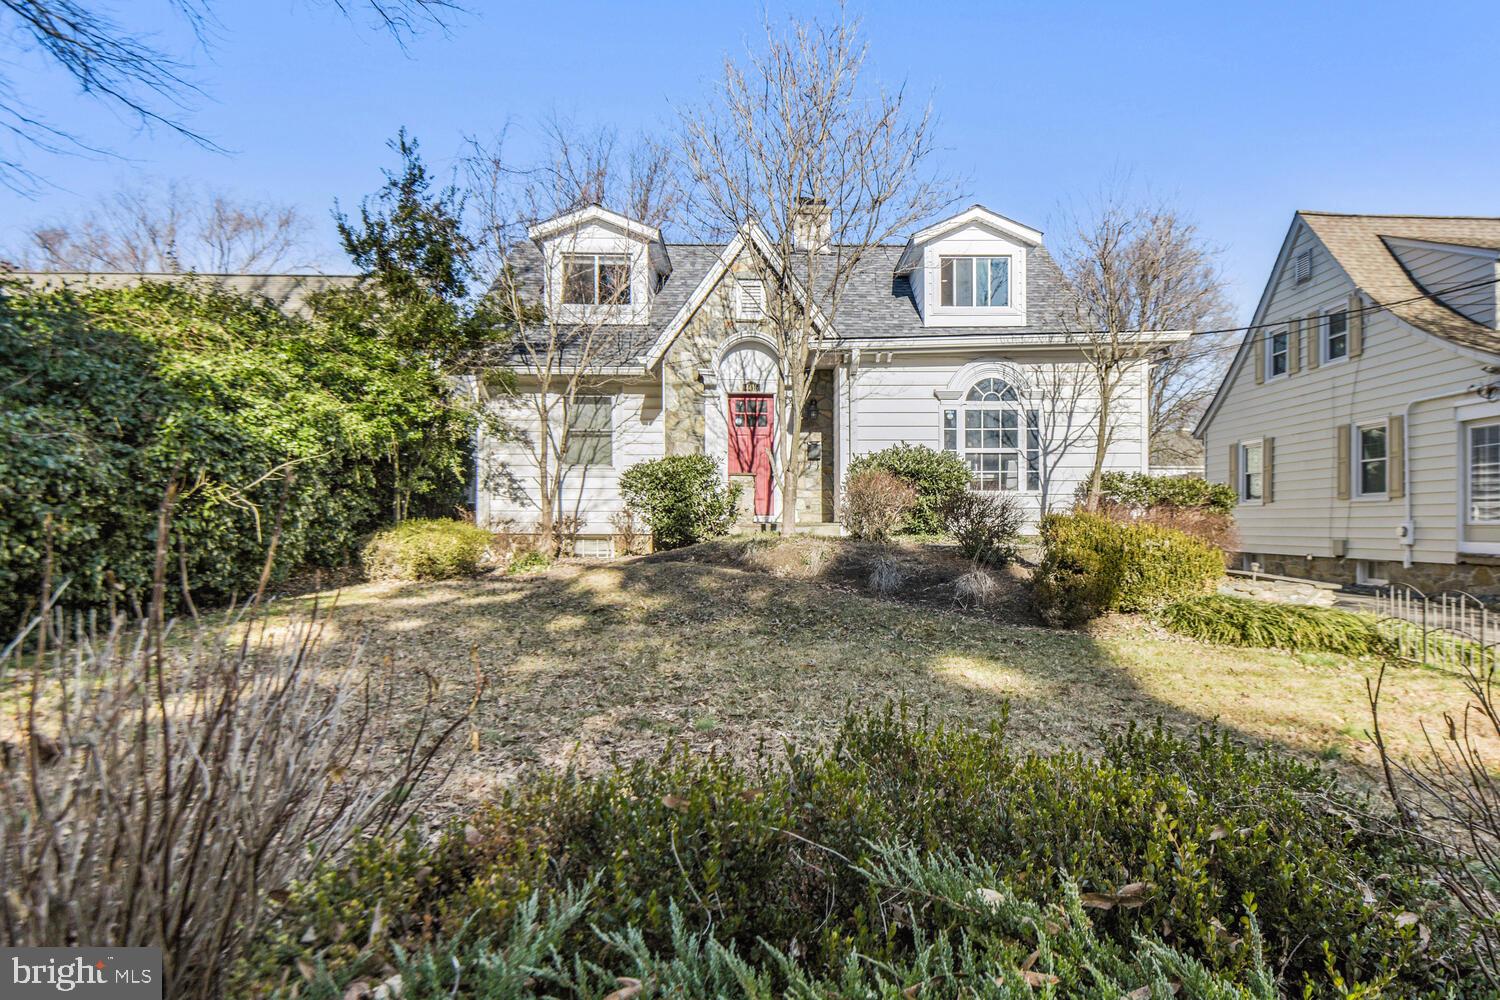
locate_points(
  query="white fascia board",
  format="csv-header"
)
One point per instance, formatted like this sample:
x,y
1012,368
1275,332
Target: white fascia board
x,y
593,213
1000,341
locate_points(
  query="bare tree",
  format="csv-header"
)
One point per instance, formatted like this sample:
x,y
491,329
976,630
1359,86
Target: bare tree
x,y
556,360
1135,273
813,167
127,70
1054,391
170,228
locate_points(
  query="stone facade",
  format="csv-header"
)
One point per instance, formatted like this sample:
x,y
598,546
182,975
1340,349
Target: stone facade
x,y
1480,578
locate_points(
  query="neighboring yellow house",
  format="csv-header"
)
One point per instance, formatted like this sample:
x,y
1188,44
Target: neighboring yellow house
x,y
1360,420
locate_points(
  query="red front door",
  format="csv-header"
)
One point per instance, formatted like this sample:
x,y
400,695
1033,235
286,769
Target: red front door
x,y
750,445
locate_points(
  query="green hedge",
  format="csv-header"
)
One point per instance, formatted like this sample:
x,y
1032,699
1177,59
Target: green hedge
x,y
1143,491
682,498
1242,621
1092,564
937,476
794,849
425,550
107,396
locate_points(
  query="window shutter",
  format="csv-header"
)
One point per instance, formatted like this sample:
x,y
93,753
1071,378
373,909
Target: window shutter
x,y
1356,326
1341,459
1258,354
1294,347
1395,460
1234,466
1267,467
1314,328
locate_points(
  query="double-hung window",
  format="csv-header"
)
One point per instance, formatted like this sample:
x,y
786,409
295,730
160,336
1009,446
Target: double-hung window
x,y
1000,440
590,431
596,279
1371,459
1335,336
1277,357
1251,470
975,282
1484,474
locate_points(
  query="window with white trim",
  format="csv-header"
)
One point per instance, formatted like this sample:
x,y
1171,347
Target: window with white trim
x,y
1277,357
590,431
1252,467
749,299
975,282
596,279
1335,336
1484,473
999,439
1370,459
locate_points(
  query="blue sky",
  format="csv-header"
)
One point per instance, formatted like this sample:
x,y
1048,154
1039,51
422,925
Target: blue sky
x,y
1236,115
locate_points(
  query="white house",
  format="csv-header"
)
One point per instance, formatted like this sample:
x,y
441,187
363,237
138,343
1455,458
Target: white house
x,y
1359,421
955,339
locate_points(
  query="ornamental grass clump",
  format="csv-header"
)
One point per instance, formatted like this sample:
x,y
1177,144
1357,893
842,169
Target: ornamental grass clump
x,y
1241,621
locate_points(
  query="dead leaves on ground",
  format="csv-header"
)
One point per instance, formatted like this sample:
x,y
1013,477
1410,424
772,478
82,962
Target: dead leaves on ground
x,y
1127,897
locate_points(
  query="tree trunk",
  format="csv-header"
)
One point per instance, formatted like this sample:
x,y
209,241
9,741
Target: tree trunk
x,y
791,468
1101,446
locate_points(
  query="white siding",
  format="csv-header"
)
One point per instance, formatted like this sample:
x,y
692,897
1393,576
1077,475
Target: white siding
x,y
508,474
1301,411
1444,273
895,400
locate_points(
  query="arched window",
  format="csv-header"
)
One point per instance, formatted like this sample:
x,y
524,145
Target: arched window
x,y
996,437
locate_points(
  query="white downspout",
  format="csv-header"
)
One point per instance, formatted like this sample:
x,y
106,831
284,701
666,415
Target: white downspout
x,y
1409,526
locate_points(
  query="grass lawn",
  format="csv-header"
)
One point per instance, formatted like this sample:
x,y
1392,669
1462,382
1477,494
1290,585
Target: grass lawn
x,y
588,663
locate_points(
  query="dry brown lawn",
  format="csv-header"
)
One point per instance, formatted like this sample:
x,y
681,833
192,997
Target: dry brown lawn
x,y
586,664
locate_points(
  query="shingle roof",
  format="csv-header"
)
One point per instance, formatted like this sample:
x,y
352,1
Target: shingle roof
x,y
876,304
1356,242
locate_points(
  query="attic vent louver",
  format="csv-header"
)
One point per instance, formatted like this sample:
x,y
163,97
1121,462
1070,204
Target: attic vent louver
x,y
750,302
1302,267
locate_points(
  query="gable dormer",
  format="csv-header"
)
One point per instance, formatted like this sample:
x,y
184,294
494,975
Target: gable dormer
x,y
601,267
970,270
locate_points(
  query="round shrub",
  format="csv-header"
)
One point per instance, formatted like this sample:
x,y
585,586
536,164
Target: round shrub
x,y
425,550
682,498
937,476
985,525
1092,564
875,501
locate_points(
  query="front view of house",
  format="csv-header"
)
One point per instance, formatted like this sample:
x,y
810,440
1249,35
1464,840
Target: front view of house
x,y
956,339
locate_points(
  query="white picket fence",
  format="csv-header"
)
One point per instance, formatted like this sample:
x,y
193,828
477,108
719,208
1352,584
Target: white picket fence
x,y
1453,629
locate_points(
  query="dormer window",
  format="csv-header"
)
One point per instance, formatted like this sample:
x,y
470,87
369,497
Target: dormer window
x,y
594,279
975,282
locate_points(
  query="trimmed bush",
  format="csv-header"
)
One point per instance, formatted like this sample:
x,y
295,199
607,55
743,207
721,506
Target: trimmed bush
x,y
937,476
1242,621
1092,564
425,550
1166,836
875,501
986,526
682,498
1141,491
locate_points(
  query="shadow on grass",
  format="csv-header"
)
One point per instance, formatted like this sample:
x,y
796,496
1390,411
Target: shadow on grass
x,y
590,664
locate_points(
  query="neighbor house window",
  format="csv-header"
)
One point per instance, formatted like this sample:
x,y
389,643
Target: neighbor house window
x,y
1484,474
593,279
1251,466
976,282
1335,336
590,431
1277,361
1370,454
1000,441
